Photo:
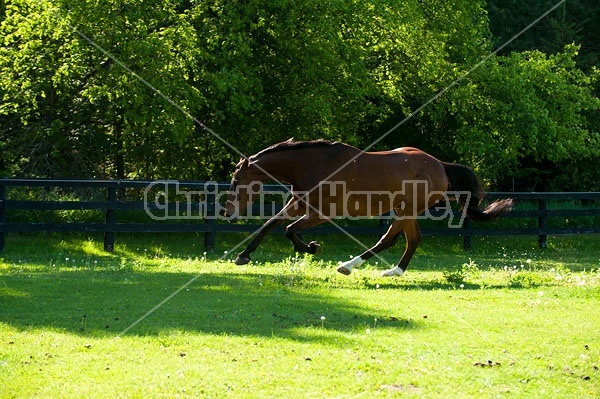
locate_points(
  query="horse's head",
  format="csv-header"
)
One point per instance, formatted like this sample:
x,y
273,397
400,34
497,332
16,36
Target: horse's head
x,y
245,186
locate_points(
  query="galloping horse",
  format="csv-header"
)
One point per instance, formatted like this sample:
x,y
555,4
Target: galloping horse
x,y
332,179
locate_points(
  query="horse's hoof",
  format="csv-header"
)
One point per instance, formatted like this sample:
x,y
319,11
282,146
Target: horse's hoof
x,y
314,248
241,260
343,271
396,271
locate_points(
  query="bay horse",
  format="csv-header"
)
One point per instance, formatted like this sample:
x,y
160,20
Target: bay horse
x,y
332,179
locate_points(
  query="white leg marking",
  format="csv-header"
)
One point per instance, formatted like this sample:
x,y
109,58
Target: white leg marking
x,y
346,267
396,271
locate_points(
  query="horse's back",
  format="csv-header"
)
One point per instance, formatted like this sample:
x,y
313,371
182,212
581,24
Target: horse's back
x,y
410,163
410,157
407,150
410,151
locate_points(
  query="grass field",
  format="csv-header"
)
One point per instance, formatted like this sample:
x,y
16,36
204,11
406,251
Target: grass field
x,y
159,318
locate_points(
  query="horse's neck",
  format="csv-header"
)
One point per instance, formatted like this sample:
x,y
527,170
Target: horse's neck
x,y
287,166
277,167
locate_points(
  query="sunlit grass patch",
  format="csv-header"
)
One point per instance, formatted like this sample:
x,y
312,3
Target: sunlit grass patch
x,y
159,317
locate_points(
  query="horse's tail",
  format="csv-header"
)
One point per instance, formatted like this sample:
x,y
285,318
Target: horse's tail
x,y
462,180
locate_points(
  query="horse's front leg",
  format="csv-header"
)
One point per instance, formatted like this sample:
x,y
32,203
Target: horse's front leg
x,y
288,211
244,256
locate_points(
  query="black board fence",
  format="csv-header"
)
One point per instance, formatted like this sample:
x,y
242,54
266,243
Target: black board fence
x,y
192,206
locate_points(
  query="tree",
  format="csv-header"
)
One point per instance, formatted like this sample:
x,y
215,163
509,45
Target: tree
x,y
575,21
258,72
80,115
523,110
281,69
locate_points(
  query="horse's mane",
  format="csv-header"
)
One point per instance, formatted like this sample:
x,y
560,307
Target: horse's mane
x,y
296,145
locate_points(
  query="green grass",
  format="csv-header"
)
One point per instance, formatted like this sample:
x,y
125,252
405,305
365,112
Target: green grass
x,y
504,320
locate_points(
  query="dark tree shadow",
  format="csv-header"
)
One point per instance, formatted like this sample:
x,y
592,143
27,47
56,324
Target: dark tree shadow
x,y
108,303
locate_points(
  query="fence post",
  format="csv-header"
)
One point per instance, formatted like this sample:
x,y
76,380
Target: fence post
x,y
467,234
111,219
542,219
210,191
2,217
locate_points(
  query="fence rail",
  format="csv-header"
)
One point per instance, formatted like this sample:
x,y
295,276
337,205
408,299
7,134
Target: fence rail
x,y
110,198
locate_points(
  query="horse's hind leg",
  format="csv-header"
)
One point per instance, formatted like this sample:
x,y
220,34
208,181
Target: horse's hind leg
x,y
412,234
386,241
413,239
291,232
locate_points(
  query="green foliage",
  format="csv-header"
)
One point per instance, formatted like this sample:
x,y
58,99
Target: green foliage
x,y
79,114
259,72
276,70
571,22
527,106
457,277
256,73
